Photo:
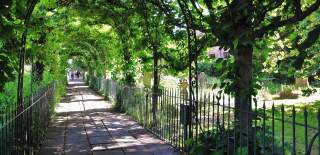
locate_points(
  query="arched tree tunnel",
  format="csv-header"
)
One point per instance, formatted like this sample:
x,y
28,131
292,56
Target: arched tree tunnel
x,y
123,45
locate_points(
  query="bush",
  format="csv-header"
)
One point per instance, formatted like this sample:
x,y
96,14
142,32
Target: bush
x,y
287,93
271,87
217,142
308,91
8,97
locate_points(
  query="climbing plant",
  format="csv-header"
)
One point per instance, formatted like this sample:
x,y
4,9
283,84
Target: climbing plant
x,y
129,37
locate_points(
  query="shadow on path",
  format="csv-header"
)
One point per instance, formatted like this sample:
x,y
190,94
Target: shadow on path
x,y
85,126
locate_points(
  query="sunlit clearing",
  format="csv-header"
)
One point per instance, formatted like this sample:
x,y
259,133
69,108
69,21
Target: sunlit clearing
x,y
76,23
49,13
105,28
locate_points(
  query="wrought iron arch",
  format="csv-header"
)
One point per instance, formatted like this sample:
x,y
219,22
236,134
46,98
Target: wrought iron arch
x,y
193,52
312,142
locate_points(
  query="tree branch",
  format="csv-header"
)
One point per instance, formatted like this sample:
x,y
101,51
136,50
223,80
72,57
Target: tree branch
x,y
297,5
279,23
313,35
270,6
196,8
212,22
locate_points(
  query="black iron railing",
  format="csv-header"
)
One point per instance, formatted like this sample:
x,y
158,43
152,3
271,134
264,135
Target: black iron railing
x,y
212,124
23,129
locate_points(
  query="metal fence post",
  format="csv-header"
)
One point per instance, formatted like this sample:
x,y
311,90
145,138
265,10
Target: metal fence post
x,y
294,130
305,114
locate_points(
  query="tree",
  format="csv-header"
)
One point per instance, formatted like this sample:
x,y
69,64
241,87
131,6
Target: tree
x,y
237,25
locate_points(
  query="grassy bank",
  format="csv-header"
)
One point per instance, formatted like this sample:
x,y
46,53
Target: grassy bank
x,y
305,124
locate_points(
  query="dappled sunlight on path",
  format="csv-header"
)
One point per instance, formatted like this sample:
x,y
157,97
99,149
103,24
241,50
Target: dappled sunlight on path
x,y
85,126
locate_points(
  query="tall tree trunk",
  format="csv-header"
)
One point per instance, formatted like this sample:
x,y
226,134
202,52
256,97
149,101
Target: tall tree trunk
x,y
22,56
23,53
19,125
243,68
155,87
243,84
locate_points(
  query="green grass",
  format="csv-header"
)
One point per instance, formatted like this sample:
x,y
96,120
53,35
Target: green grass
x,y
8,97
271,87
288,127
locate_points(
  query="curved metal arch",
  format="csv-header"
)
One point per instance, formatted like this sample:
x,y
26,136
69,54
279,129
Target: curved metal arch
x,y
22,53
312,142
193,68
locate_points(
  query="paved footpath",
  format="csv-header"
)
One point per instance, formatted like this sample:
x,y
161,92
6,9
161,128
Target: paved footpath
x,y
85,126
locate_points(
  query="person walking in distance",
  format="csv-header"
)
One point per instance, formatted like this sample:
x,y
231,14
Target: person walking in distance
x,y
72,75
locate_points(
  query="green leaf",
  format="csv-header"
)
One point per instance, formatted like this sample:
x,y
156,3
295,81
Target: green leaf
x,y
189,142
235,43
291,71
1,43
